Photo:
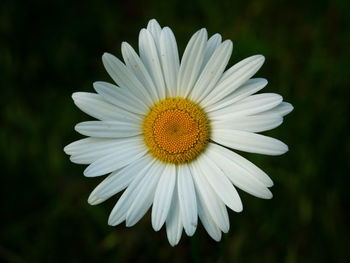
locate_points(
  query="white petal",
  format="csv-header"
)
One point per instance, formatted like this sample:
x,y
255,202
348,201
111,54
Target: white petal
x,y
255,123
282,109
239,176
249,106
89,150
173,221
154,28
187,199
94,200
212,71
219,182
124,77
108,129
207,220
135,65
248,166
94,105
150,58
169,56
163,196
209,199
129,151
250,87
119,180
122,98
121,208
213,42
233,78
191,63
249,142
145,194
84,145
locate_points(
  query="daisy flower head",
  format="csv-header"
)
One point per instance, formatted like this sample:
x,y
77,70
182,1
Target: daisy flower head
x,y
166,132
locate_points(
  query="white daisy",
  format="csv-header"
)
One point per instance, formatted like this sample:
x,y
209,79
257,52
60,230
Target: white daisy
x,y
167,132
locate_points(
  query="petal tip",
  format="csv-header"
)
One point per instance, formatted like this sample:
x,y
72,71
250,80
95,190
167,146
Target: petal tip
x,y
67,149
190,232
258,60
125,45
93,200
76,95
269,183
262,57
106,58
156,227
174,242
239,208
87,172
227,42
143,31
270,195
129,223
153,21
111,222
216,238
113,219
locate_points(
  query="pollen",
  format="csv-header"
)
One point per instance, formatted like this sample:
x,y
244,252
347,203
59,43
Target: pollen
x,y
176,130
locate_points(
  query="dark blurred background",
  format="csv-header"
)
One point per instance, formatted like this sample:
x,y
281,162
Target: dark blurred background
x,y
50,49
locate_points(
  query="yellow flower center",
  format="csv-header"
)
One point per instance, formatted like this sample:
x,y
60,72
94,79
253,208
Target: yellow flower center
x,y
176,130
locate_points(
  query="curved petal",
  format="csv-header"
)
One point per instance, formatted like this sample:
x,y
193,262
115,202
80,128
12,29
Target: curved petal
x,y
219,182
84,145
94,150
212,71
88,150
118,180
254,123
238,175
207,220
191,63
246,165
124,77
135,65
145,194
154,28
121,208
129,151
249,106
173,221
150,58
249,142
169,56
163,196
209,199
213,42
108,129
122,98
282,109
95,106
187,199
233,78
250,87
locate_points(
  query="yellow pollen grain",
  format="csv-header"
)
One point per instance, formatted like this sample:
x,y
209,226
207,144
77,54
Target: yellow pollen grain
x,y
176,130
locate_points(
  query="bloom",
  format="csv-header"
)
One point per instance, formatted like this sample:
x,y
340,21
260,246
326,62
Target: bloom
x,y
167,132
